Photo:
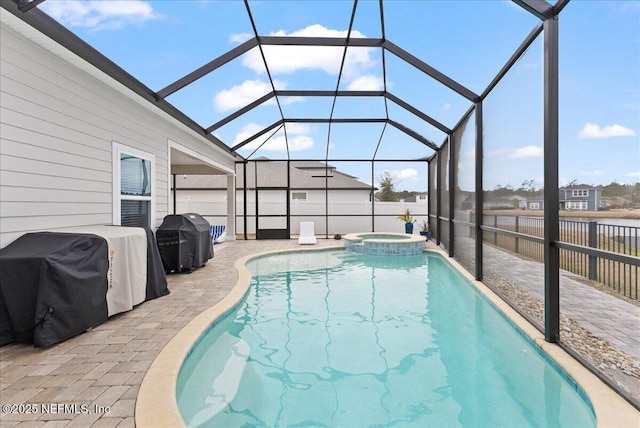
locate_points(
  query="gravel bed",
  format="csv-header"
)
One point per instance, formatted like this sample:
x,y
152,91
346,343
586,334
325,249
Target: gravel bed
x,y
621,368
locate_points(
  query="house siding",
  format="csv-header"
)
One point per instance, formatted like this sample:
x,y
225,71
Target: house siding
x,y
593,197
59,117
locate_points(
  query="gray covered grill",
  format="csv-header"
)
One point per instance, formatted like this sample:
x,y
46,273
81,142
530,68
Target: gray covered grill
x,y
184,241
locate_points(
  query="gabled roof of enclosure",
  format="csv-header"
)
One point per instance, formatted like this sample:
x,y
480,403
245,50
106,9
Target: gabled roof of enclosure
x,y
361,76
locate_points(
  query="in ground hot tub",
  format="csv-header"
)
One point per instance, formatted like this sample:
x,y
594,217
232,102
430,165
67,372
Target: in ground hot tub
x,y
383,244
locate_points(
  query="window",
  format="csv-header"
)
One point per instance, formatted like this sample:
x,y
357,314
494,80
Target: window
x,y
534,206
580,193
299,196
133,173
576,205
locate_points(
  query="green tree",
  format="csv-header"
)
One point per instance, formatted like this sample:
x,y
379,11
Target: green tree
x,y
387,187
500,190
616,189
528,187
405,194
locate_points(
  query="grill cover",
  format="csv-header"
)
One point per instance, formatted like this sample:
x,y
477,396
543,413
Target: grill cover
x,y
52,286
184,241
156,280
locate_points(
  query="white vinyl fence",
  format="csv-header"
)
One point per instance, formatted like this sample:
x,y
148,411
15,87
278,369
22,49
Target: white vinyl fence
x,y
343,216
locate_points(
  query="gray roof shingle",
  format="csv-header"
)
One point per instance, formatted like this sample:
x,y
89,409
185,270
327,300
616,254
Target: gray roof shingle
x,y
304,175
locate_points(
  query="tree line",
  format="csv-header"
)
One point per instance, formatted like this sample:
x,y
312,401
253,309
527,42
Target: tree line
x,y
611,190
627,195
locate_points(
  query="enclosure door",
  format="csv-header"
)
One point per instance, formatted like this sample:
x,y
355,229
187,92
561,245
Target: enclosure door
x,y
272,213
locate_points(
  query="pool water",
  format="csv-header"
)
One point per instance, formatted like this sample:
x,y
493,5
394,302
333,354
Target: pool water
x,y
337,339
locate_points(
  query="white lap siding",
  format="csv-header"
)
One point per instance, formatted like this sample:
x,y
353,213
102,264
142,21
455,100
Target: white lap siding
x,y
58,120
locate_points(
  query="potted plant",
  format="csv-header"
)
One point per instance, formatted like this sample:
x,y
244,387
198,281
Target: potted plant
x,y
425,229
408,219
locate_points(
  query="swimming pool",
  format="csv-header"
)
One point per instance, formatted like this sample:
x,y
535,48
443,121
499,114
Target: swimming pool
x,y
341,339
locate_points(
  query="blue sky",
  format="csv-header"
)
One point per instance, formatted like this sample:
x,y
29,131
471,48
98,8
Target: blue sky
x,y
160,41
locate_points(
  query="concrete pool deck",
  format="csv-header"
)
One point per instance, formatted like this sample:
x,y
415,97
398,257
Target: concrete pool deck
x,y
104,369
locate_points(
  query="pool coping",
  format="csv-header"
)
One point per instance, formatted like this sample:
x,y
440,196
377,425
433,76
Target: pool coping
x,y
156,404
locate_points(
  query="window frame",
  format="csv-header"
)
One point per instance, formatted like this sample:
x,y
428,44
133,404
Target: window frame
x,y
579,193
118,150
577,205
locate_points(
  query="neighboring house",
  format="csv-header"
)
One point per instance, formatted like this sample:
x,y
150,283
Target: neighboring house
x,y
571,198
517,201
465,201
535,202
616,202
493,202
348,200
606,203
82,149
416,198
307,182
580,197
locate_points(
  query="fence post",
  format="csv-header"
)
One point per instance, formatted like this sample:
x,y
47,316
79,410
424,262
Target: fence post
x,y
517,230
593,243
495,234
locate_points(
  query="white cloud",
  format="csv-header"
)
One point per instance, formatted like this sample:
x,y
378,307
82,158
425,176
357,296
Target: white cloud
x,y
247,131
247,92
298,143
296,133
366,83
240,95
593,130
100,15
240,37
406,174
635,174
528,152
285,101
447,107
289,59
